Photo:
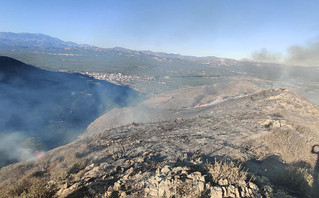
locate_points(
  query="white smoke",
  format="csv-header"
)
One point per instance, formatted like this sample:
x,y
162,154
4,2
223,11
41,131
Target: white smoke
x,y
303,55
11,149
297,55
264,55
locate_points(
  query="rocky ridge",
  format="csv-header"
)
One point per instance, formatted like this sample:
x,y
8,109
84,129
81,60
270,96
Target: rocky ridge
x,y
262,140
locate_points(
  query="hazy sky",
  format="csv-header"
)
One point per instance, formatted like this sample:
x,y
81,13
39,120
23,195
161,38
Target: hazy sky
x,y
225,28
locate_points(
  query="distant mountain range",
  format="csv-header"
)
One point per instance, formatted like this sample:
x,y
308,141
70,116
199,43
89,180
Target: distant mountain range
x,y
43,50
36,41
54,54
44,42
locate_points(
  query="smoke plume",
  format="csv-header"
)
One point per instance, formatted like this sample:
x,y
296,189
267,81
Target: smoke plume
x,y
297,55
305,56
53,108
265,55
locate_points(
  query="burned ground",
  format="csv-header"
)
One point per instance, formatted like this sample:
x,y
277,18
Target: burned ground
x,y
264,138
174,104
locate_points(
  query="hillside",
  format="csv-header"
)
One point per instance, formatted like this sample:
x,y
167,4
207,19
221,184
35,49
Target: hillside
x,y
45,51
155,72
53,107
266,137
166,106
14,41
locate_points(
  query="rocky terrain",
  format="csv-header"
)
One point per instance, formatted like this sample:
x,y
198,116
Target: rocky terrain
x,y
166,106
206,129
257,145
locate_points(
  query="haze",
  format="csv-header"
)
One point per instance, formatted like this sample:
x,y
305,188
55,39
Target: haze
x,y
232,29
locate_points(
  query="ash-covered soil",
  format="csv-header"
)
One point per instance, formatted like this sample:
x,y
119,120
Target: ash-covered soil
x,y
173,104
258,145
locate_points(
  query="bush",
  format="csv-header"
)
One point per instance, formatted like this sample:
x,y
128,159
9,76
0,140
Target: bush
x,y
288,142
226,170
296,180
39,189
28,188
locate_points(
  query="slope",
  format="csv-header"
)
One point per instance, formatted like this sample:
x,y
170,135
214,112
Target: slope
x,y
53,107
271,133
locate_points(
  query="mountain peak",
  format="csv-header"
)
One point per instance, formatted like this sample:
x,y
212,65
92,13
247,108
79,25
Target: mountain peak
x,y
31,41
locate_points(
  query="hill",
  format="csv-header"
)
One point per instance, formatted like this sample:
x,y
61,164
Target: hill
x,y
166,106
53,107
155,72
15,41
265,142
45,51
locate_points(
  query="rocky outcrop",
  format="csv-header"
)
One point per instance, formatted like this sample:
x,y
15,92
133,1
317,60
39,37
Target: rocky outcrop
x,y
180,180
184,179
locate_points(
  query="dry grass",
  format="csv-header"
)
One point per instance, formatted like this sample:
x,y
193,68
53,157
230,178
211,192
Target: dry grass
x,y
28,188
290,143
39,189
226,170
296,180
32,181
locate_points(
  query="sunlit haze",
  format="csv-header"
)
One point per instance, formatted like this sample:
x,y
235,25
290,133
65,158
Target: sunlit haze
x,y
224,28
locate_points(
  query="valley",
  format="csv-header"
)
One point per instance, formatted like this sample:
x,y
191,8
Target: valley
x,y
53,107
95,122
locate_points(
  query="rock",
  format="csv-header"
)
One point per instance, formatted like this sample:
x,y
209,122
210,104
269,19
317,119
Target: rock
x,y
216,192
237,192
245,192
200,186
139,159
253,186
276,124
128,163
123,194
146,190
230,191
250,192
165,169
241,183
51,184
117,186
196,176
223,182
94,172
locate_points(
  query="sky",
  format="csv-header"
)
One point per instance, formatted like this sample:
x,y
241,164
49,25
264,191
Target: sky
x,y
223,28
